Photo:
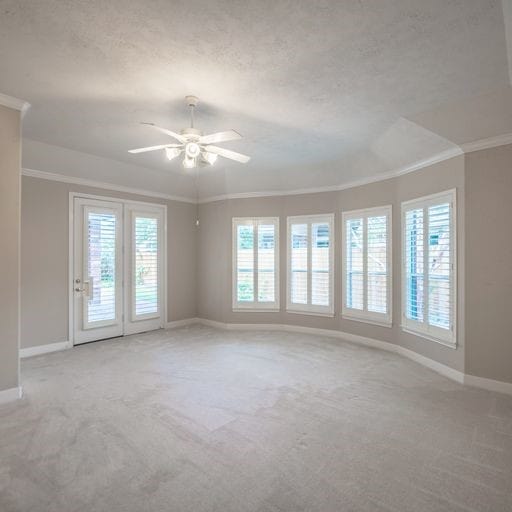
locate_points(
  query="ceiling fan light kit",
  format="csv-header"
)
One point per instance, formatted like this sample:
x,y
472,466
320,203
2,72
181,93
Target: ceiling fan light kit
x,y
196,147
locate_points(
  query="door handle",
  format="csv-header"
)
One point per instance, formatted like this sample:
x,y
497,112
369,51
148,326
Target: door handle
x,y
84,289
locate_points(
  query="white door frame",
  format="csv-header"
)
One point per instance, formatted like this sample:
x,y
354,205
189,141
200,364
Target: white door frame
x,y
71,276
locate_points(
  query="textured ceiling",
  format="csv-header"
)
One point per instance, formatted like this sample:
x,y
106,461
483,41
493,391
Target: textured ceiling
x,y
324,92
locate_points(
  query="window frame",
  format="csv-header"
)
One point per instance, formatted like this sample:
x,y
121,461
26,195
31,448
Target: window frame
x,y
255,305
370,317
447,337
310,309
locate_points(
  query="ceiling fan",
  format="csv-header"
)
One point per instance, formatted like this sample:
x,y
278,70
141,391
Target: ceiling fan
x,y
197,148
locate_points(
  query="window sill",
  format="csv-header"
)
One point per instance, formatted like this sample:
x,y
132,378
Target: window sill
x,y
419,334
309,313
255,310
379,323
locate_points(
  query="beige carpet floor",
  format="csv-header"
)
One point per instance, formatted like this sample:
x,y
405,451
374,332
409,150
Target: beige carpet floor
x,y
198,419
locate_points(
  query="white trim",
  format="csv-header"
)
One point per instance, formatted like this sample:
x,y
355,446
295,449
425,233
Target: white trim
x,y
491,142
10,395
382,319
467,147
14,103
364,320
353,338
416,166
32,173
489,384
442,369
45,349
309,308
174,324
254,305
133,323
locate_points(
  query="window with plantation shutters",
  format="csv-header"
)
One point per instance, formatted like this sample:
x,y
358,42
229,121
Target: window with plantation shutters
x,y
255,263
310,264
428,267
367,265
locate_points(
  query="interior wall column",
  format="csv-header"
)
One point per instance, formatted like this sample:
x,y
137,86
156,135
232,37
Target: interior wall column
x,y
10,222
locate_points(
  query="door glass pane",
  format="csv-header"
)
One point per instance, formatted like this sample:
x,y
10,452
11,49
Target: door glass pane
x,y
266,267
245,263
354,284
299,264
320,264
101,266
146,265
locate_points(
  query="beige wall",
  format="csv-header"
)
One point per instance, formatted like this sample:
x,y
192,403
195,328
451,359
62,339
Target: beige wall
x,y
199,266
489,263
44,258
214,253
10,155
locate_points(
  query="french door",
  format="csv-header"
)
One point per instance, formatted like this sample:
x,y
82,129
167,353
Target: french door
x,y
118,269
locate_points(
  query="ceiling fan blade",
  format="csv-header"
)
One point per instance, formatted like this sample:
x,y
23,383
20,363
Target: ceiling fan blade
x,y
214,138
153,148
175,135
226,153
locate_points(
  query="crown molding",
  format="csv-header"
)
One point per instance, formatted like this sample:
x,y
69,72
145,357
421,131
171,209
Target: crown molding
x,y
14,103
491,142
100,184
469,147
416,166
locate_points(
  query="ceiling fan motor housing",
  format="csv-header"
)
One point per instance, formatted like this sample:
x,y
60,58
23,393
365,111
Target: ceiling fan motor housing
x,y
191,133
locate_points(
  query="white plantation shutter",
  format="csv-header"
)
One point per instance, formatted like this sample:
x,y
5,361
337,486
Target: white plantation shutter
x,y
299,264
255,263
377,264
320,290
145,258
429,267
354,281
100,268
245,263
367,265
310,263
266,262
414,238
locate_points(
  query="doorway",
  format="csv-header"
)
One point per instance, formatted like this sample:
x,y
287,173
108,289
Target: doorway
x,y
117,267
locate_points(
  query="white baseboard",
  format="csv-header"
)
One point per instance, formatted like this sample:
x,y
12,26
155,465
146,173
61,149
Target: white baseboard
x,y
45,349
9,395
489,384
182,323
446,371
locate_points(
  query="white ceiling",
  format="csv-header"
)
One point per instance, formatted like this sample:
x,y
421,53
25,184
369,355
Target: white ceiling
x,y
324,92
